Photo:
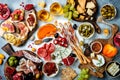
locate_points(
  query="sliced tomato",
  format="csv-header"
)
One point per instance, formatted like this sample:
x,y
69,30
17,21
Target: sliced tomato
x,y
4,11
42,52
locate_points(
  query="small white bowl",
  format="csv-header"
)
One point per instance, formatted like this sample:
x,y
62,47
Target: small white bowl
x,y
52,75
91,47
114,9
87,24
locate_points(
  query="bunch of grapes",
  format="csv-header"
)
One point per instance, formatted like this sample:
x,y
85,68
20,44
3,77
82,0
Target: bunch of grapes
x,y
70,11
84,74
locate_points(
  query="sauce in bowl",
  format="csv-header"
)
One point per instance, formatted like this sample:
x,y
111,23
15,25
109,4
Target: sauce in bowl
x,y
96,47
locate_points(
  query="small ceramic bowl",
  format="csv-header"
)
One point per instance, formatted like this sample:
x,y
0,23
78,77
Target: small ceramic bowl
x,y
96,47
117,74
82,32
108,11
53,74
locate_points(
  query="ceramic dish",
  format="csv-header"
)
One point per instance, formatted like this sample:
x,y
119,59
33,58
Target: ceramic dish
x,y
51,66
111,67
86,30
108,11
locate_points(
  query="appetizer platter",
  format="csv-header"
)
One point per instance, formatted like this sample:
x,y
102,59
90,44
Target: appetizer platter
x,y
55,40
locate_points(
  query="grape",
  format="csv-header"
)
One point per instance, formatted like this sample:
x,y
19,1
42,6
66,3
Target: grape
x,y
66,14
67,6
70,15
75,15
75,12
72,8
84,74
65,10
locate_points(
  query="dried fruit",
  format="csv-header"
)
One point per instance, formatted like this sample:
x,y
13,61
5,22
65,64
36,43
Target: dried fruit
x,y
37,42
2,56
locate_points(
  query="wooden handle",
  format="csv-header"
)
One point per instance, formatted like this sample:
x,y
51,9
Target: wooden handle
x,y
97,28
8,49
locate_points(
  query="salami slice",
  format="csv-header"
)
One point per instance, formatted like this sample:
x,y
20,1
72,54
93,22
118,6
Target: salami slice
x,y
42,52
51,48
48,58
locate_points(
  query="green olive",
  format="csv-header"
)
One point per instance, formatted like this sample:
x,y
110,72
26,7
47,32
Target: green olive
x,y
11,63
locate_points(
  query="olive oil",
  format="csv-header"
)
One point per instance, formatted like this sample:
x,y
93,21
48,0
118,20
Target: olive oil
x,y
56,9
44,15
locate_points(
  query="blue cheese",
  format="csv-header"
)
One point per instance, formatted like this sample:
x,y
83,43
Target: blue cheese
x,y
61,52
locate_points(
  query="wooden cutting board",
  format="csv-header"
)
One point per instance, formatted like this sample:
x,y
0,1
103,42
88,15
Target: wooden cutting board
x,y
8,49
101,70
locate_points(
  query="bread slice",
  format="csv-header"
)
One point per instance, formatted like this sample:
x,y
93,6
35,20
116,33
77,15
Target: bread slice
x,y
30,19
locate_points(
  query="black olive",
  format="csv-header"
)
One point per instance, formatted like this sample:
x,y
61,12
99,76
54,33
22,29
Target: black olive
x,y
75,26
56,35
40,66
47,39
85,45
30,75
87,51
72,55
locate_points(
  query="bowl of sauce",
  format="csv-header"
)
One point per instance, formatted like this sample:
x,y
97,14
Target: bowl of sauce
x,y
96,47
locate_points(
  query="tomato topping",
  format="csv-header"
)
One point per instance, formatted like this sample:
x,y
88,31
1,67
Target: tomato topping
x,y
17,15
31,20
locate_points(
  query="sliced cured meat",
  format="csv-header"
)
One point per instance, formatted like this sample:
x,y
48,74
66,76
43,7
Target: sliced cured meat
x,y
45,51
31,57
51,48
18,76
30,19
23,29
42,52
68,61
46,46
48,58
4,11
8,26
17,15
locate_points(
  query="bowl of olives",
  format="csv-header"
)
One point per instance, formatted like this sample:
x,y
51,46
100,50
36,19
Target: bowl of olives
x,y
86,30
108,12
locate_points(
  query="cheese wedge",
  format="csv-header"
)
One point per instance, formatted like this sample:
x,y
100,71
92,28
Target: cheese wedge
x,y
82,3
80,9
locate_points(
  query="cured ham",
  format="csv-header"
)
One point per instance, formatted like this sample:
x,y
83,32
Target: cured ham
x,y
26,66
8,26
23,29
30,19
